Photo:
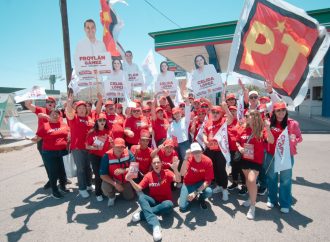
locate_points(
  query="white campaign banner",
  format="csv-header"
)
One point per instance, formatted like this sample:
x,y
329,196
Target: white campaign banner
x,y
199,136
115,86
206,82
19,130
282,156
240,106
149,70
133,75
222,137
167,82
30,94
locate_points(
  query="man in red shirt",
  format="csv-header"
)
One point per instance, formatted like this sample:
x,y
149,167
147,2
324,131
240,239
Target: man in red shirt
x,y
159,125
197,170
166,153
159,201
142,154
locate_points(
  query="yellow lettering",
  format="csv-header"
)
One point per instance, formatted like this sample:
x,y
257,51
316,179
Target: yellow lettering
x,y
291,56
251,44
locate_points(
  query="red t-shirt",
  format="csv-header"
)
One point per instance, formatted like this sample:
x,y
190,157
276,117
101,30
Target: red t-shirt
x,y
258,145
159,188
198,171
79,127
197,124
114,119
160,128
135,125
166,160
142,157
210,130
232,135
41,110
54,135
276,131
100,138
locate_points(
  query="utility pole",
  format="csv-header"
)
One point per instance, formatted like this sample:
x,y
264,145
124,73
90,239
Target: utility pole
x,y
66,41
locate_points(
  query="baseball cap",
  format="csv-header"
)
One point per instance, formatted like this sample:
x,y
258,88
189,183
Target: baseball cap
x,y
119,142
79,103
253,92
158,109
109,102
230,95
168,142
176,110
144,134
195,147
101,116
279,105
50,98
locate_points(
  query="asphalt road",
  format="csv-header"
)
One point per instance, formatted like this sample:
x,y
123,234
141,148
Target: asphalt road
x,y
28,213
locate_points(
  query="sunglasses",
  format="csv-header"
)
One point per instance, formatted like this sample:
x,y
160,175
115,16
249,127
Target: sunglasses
x,y
135,111
50,102
182,106
253,97
214,112
231,99
102,120
204,106
146,111
280,110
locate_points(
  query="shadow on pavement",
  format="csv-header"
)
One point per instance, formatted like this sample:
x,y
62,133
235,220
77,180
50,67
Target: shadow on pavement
x,y
301,181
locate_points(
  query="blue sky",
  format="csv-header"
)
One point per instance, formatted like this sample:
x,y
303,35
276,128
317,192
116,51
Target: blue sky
x,y
31,30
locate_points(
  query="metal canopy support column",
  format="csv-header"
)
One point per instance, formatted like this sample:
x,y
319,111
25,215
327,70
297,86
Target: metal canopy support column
x,y
213,59
326,86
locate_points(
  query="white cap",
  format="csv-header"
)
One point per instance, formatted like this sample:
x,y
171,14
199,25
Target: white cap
x,y
195,147
253,92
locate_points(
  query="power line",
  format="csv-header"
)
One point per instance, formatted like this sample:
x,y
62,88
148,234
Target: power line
x,y
161,13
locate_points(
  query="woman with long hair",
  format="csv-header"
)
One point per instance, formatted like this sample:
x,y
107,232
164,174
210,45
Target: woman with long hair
x,y
279,121
97,143
250,143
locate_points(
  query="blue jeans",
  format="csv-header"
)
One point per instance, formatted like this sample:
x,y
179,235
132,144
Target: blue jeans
x,y
284,190
84,171
182,148
262,179
151,208
53,160
187,189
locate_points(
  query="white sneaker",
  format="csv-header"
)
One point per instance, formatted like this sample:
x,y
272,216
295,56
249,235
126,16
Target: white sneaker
x,y
284,210
250,214
217,189
224,195
136,217
84,193
246,203
90,188
99,198
157,233
270,205
111,202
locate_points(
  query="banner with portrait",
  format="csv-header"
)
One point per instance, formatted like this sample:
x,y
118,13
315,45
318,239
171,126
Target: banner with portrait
x,y
280,43
115,85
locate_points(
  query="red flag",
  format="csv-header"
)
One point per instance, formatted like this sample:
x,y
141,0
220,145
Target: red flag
x,y
109,20
277,45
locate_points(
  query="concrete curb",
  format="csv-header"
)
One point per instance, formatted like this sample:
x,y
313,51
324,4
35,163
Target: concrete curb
x,y
15,146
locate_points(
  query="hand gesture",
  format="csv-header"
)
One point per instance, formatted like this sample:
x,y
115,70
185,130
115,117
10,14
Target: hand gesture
x,y
267,124
268,86
191,196
119,171
128,177
175,164
224,105
166,93
28,103
130,133
99,96
240,83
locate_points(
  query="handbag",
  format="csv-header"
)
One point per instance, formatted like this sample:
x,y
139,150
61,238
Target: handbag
x,y
69,165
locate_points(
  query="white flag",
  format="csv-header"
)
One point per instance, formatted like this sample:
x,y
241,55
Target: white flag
x,y
19,130
31,94
282,156
149,70
222,137
199,136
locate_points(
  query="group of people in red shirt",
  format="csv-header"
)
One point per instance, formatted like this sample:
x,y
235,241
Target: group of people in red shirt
x,y
163,140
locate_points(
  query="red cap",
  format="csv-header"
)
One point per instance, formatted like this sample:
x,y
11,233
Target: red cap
x,y
230,95
168,142
146,108
176,110
144,134
109,102
159,109
182,105
50,98
265,98
280,105
217,108
197,100
119,142
191,97
119,105
204,105
101,116
136,108
262,108
79,103
149,102
232,108
201,110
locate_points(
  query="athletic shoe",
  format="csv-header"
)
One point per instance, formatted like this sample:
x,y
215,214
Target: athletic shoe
x,y
90,188
270,205
63,189
57,195
243,190
111,202
136,217
224,195
232,186
251,213
202,203
47,185
247,203
262,191
284,210
84,193
217,189
99,198
157,233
